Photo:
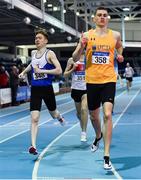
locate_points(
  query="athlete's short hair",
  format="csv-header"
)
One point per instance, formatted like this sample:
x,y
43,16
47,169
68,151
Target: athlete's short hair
x,y
101,8
41,31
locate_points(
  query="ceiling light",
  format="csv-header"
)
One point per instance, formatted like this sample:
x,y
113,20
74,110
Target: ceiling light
x,y
126,18
64,11
49,5
55,8
126,9
69,38
109,17
51,30
27,20
77,13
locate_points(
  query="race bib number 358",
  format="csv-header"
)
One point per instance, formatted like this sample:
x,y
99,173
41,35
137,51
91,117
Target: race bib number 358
x,y
100,58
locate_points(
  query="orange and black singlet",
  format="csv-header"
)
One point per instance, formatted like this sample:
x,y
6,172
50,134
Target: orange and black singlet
x,y
100,58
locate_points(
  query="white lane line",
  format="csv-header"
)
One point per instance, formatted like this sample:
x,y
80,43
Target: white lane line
x,y
28,116
37,162
62,178
116,174
17,134
129,124
14,112
114,125
12,122
120,94
20,110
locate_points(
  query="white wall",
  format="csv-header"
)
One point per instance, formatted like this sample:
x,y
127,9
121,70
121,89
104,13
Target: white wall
x,y
132,29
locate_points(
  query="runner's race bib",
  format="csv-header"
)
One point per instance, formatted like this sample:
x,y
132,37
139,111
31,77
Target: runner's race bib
x,y
100,58
37,76
79,77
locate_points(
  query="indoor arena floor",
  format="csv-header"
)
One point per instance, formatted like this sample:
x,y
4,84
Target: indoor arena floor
x,y
61,154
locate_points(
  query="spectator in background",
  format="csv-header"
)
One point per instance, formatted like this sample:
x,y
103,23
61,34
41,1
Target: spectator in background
x,y
14,83
4,77
129,72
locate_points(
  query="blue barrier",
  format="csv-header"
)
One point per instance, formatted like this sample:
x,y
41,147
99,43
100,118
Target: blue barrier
x,y
23,93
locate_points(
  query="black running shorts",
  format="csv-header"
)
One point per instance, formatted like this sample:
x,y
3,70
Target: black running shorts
x,y
44,93
130,79
100,93
77,94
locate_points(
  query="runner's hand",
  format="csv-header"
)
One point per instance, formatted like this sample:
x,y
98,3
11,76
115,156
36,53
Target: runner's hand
x,y
83,40
37,70
21,75
120,58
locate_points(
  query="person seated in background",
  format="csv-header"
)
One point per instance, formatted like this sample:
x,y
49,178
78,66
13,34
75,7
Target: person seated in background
x,y
14,83
4,77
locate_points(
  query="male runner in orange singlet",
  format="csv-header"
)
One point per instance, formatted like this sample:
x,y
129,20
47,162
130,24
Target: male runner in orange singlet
x,y
100,44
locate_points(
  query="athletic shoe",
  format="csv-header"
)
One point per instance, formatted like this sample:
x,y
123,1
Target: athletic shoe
x,y
62,121
83,136
107,163
33,150
95,144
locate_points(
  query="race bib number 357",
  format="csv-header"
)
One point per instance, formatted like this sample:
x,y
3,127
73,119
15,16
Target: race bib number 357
x,y
100,58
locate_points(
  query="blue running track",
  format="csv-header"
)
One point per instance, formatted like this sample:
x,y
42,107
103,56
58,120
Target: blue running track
x,y
61,154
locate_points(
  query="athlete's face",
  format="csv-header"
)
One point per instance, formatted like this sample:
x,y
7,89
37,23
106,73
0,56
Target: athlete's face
x,y
101,18
40,41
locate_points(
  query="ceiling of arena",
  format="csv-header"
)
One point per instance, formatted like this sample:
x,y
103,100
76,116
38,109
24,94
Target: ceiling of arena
x,y
57,14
